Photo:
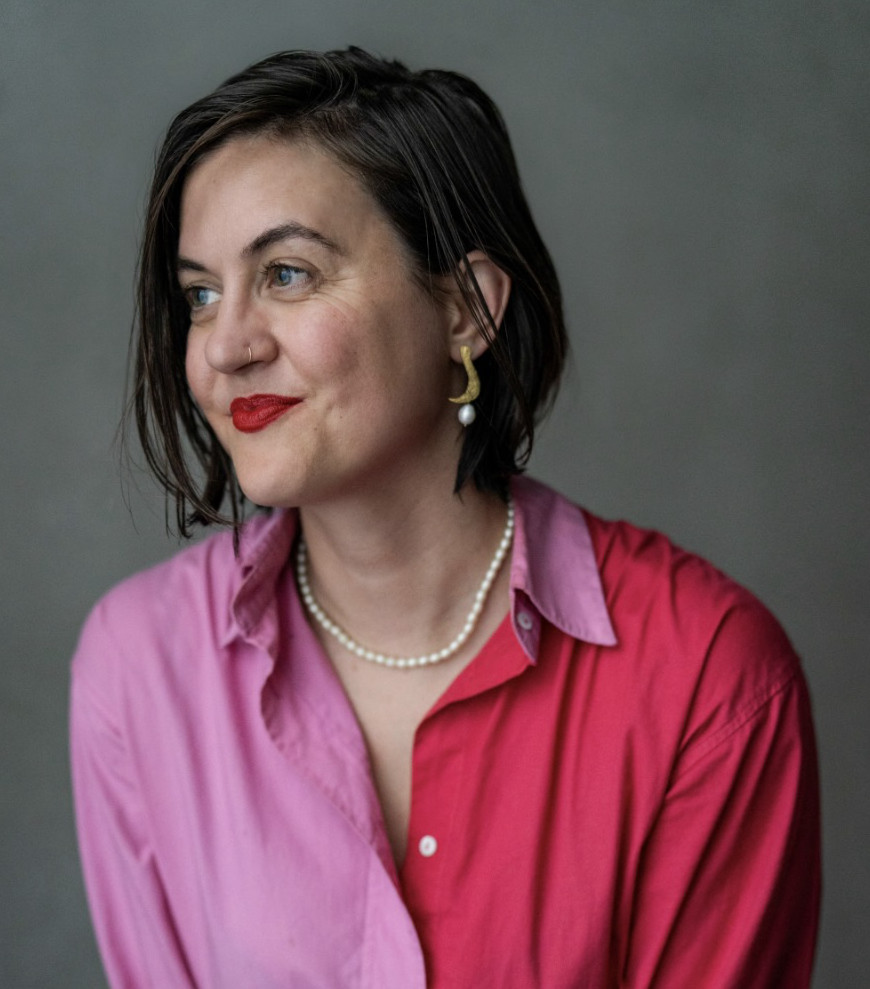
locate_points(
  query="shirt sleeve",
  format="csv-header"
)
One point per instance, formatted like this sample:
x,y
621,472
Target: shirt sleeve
x,y
729,881
135,930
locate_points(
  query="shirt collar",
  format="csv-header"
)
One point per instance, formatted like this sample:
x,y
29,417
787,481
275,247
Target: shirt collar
x,y
554,574
264,547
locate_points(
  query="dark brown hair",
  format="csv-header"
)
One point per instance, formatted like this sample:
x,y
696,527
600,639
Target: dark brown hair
x,y
433,151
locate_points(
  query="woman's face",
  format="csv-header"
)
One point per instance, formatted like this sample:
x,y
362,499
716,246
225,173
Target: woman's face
x,y
319,362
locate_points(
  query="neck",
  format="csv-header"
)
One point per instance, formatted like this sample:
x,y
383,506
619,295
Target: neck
x,y
400,574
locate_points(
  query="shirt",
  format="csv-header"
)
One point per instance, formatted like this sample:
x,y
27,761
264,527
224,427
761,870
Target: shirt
x,y
619,790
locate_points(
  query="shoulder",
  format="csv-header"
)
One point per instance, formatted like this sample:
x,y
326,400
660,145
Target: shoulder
x,y
646,563
142,622
648,582
182,607
688,635
146,599
708,643
644,573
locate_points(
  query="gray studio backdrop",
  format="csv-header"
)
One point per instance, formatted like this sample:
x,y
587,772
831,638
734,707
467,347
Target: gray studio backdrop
x,y
700,172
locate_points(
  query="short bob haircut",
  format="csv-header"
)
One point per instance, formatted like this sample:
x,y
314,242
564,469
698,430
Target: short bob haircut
x,y
432,150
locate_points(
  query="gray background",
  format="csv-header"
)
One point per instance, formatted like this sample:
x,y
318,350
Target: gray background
x,y
700,172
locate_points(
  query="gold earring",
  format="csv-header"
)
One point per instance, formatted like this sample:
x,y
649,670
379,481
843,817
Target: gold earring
x,y
466,412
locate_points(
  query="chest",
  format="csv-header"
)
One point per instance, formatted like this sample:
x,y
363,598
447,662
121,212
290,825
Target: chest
x,y
390,705
499,812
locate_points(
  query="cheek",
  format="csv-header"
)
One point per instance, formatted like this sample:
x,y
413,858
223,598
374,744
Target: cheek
x,y
326,353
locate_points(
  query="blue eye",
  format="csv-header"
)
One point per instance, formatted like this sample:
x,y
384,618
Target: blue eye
x,y
198,296
287,276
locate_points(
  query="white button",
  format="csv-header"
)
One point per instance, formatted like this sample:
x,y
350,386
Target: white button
x,y
524,620
428,845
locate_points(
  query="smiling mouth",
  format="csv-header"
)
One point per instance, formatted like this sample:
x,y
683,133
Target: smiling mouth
x,y
254,412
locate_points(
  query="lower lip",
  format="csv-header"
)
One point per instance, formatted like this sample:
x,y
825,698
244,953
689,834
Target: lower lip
x,y
250,416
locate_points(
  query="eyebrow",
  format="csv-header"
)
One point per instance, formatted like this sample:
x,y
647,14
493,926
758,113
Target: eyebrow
x,y
284,231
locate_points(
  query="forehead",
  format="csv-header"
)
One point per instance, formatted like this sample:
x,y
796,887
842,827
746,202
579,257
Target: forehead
x,y
252,183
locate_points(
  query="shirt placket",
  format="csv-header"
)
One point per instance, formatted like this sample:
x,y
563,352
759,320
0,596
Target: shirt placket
x,y
436,802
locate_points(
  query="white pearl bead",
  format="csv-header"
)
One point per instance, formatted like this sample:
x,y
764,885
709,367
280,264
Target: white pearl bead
x,y
466,414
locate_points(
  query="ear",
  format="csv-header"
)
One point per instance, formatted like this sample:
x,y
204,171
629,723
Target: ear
x,y
495,287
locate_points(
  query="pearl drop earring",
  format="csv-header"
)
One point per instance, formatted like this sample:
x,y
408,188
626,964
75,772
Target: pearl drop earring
x,y
467,413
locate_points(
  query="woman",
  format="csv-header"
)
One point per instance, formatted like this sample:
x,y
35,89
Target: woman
x,y
423,722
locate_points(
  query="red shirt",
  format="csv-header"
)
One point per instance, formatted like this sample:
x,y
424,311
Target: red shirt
x,y
620,790
641,813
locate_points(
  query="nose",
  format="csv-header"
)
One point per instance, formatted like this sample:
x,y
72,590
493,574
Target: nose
x,y
239,336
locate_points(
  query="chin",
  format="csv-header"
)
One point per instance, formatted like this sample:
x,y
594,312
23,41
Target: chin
x,y
269,492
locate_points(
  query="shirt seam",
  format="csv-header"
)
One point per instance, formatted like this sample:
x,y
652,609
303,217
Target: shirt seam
x,y
750,710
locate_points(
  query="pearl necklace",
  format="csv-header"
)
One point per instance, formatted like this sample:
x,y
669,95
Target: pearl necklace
x,y
401,662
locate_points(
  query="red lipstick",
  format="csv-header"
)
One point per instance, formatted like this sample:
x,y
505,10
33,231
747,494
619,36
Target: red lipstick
x,y
255,412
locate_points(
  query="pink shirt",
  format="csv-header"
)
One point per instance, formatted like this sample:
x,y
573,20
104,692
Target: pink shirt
x,y
620,789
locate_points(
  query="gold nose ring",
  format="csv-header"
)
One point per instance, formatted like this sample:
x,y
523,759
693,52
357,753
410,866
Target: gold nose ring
x,y
250,355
